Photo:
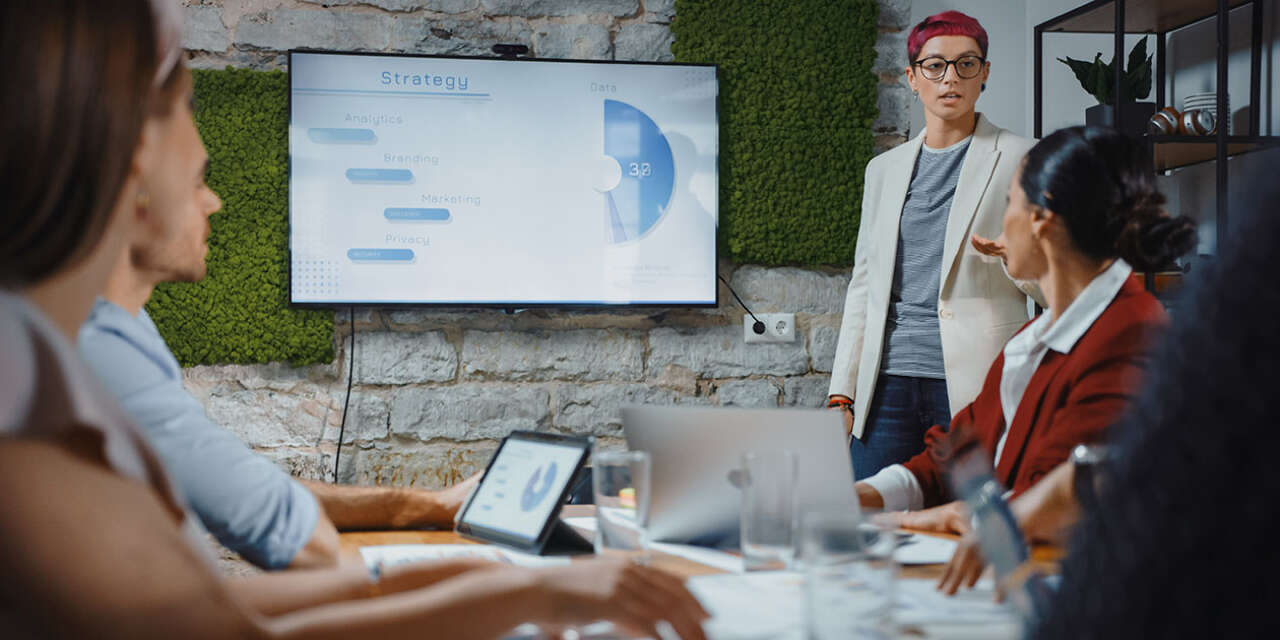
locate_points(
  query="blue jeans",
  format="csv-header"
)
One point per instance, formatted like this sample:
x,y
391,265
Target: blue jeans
x,y
901,410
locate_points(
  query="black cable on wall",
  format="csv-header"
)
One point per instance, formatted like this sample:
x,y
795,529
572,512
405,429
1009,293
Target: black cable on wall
x,y
351,369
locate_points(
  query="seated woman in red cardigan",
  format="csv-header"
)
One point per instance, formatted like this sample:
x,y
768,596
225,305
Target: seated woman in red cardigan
x,y
1082,209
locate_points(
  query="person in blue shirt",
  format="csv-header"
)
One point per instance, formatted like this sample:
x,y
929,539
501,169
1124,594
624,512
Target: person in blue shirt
x,y
248,503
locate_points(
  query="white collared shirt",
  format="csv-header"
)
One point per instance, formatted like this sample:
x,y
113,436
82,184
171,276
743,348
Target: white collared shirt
x,y
1022,356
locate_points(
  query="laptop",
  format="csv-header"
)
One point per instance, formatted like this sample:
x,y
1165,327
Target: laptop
x,y
697,452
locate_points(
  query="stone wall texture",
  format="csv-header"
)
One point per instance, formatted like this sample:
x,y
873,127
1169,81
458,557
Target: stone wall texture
x,y
434,390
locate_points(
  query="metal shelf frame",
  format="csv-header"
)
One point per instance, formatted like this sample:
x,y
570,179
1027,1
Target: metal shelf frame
x,y
1159,18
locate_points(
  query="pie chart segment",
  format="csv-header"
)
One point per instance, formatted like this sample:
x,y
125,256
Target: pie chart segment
x,y
641,196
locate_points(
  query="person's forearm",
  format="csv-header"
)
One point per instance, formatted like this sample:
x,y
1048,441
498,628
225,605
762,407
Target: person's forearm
x,y
354,507
322,548
480,605
1049,508
280,592
285,591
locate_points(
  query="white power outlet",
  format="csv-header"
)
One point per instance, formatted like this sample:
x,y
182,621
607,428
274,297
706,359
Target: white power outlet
x,y
778,327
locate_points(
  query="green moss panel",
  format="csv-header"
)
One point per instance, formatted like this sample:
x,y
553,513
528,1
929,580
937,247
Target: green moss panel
x,y
240,312
797,101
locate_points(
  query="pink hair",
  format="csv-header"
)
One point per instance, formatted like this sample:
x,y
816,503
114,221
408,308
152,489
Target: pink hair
x,y
947,23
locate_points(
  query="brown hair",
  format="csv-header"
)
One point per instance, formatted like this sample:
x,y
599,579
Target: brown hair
x,y
80,76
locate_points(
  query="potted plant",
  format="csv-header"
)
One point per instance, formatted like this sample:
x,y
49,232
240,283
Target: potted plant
x,y
1099,80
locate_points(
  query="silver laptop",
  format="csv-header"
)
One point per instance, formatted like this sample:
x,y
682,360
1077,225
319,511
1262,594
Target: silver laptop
x,y
694,450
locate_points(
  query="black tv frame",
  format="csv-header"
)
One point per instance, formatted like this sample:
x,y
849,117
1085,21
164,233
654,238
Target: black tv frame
x,y
513,305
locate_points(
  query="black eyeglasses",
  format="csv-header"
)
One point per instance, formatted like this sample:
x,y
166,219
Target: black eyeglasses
x,y
935,67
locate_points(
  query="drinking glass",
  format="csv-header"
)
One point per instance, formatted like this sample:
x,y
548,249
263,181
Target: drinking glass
x,y
620,480
849,575
768,522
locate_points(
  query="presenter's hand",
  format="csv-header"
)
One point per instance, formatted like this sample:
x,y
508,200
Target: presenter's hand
x,y
627,594
846,410
993,248
848,419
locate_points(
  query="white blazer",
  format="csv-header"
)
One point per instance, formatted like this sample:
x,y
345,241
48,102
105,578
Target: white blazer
x,y
979,306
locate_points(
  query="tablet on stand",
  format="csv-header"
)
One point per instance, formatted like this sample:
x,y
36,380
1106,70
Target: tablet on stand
x,y
517,503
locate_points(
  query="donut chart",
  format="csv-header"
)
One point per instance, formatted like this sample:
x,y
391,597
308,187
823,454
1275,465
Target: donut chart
x,y
640,199
538,486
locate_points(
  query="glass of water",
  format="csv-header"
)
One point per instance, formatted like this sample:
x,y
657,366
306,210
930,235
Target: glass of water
x,y
849,575
620,480
768,521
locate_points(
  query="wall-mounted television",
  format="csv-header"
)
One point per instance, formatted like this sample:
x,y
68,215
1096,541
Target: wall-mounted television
x,y
430,180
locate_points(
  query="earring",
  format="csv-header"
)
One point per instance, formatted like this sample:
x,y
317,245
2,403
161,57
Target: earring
x,y
915,95
984,86
143,200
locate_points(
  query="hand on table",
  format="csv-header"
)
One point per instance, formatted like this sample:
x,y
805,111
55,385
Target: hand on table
x,y
952,517
965,567
1045,512
993,248
632,596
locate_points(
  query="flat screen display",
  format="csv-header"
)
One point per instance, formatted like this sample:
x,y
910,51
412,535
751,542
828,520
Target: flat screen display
x,y
488,182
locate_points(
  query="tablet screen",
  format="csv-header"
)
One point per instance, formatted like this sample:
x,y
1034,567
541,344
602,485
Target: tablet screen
x,y
522,487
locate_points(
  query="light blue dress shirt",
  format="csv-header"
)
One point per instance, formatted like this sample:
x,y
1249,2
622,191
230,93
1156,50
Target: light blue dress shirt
x,y
246,501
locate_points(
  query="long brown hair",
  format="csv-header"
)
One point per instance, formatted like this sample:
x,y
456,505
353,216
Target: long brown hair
x,y
80,75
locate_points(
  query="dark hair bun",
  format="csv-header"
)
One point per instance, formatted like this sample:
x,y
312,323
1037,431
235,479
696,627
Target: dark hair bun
x,y
1149,238
1099,181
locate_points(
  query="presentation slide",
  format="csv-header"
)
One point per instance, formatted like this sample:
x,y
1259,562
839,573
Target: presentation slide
x,y
522,487
471,181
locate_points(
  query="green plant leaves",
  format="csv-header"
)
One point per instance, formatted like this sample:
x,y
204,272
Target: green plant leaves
x,y
797,100
1138,75
1098,78
240,312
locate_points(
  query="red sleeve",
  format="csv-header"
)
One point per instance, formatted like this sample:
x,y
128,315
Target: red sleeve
x,y
1097,399
977,423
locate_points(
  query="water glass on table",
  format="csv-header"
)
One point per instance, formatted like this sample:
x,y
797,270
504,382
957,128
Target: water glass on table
x,y
768,521
620,480
849,575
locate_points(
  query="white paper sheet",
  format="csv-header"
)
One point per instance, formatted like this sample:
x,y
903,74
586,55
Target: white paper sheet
x,y
586,523
394,554
771,604
922,549
971,613
752,606
712,558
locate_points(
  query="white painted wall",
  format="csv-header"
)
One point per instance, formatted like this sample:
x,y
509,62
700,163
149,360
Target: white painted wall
x,y
1009,100
1007,90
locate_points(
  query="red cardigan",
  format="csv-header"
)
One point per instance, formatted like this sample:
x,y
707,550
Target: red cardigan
x,y
1071,399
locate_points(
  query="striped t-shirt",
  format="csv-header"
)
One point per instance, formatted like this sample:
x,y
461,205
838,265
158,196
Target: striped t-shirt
x,y
913,346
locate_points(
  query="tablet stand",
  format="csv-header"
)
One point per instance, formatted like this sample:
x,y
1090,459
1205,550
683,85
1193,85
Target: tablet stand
x,y
565,541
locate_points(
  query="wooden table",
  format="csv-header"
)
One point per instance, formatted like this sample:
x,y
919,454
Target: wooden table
x,y
1045,557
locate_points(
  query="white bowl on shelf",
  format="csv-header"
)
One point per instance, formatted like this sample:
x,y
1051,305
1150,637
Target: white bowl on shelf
x,y
1209,102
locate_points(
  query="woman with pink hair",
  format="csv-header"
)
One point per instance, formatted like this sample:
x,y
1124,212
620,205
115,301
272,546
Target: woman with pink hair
x,y
930,304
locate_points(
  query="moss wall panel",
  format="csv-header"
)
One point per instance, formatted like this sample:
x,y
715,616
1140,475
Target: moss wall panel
x,y
797,100
240,312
